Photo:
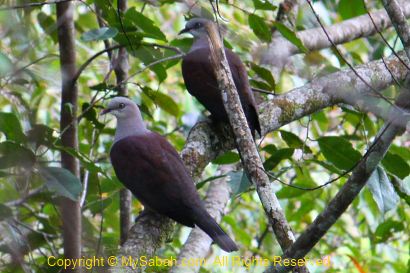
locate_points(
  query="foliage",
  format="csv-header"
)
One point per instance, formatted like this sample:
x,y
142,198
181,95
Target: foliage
x,y
372,235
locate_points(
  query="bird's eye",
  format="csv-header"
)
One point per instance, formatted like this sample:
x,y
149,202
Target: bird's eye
x,y
121,105
198,25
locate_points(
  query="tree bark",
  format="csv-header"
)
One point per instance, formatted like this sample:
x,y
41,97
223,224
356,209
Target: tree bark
x,y
279,50
398,18
338,205
121,68
204,143
70,210
250,158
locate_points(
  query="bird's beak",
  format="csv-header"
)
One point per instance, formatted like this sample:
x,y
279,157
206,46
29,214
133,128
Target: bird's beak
x,y
105,111
185,30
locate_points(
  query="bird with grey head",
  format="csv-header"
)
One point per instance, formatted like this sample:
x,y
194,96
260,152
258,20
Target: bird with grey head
x,y
147,164
201,82
196,27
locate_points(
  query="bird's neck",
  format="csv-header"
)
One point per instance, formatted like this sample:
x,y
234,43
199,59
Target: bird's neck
x,y
200,42
129,127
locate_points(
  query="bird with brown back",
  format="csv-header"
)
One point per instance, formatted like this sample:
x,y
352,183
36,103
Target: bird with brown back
x,y
147,164
201,81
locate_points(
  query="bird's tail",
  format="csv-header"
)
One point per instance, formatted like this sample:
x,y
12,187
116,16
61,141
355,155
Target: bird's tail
x,y
218,235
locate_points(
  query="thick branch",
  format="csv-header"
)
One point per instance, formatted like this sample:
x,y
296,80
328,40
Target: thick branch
x,y
398,17
121,68
280,49
70,210
204,143
309,238
251,160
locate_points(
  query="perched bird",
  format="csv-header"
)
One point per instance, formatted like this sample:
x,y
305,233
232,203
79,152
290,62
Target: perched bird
x,y
147,165
202,84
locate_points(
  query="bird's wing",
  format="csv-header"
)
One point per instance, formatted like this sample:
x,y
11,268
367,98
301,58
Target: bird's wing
x,y
153,171
201,83
240,78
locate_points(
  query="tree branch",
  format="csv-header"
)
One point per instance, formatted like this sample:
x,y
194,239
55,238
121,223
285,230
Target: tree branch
x,y
250,158
280,49
121,68
398,18
70,210
338,205
204,143
198,243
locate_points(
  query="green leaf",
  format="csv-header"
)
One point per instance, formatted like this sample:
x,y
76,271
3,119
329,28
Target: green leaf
x,y
264,5
41,135
302,180
264,74
108,10
13,154
293,141
239,182
99,34
10,126
183,44
387,229
402,188
48,24
339,152
403,152
291,192
149,55
209,179
326,165
62,181
91,115
270,148
240,233
99,205
346,10
277,157
130,39
382,190
6,66
85,161
145,24
260,28
396,165
227,158
103,87
164,101
290,35
260,84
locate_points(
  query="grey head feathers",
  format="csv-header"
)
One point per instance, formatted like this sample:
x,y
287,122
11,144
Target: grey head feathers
x,y
196,27
129,119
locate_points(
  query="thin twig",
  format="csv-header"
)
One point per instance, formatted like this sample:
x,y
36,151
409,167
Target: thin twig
x,y
344,59
170,58
384,39
22,200
92,58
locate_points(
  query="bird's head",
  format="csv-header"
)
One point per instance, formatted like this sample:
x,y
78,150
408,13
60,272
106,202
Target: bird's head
x,y
196,27
121,108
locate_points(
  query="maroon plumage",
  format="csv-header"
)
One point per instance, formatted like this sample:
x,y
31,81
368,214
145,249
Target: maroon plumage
x,y
152,170
201,82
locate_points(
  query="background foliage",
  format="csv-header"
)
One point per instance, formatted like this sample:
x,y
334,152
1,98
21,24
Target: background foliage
x,y
372,236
